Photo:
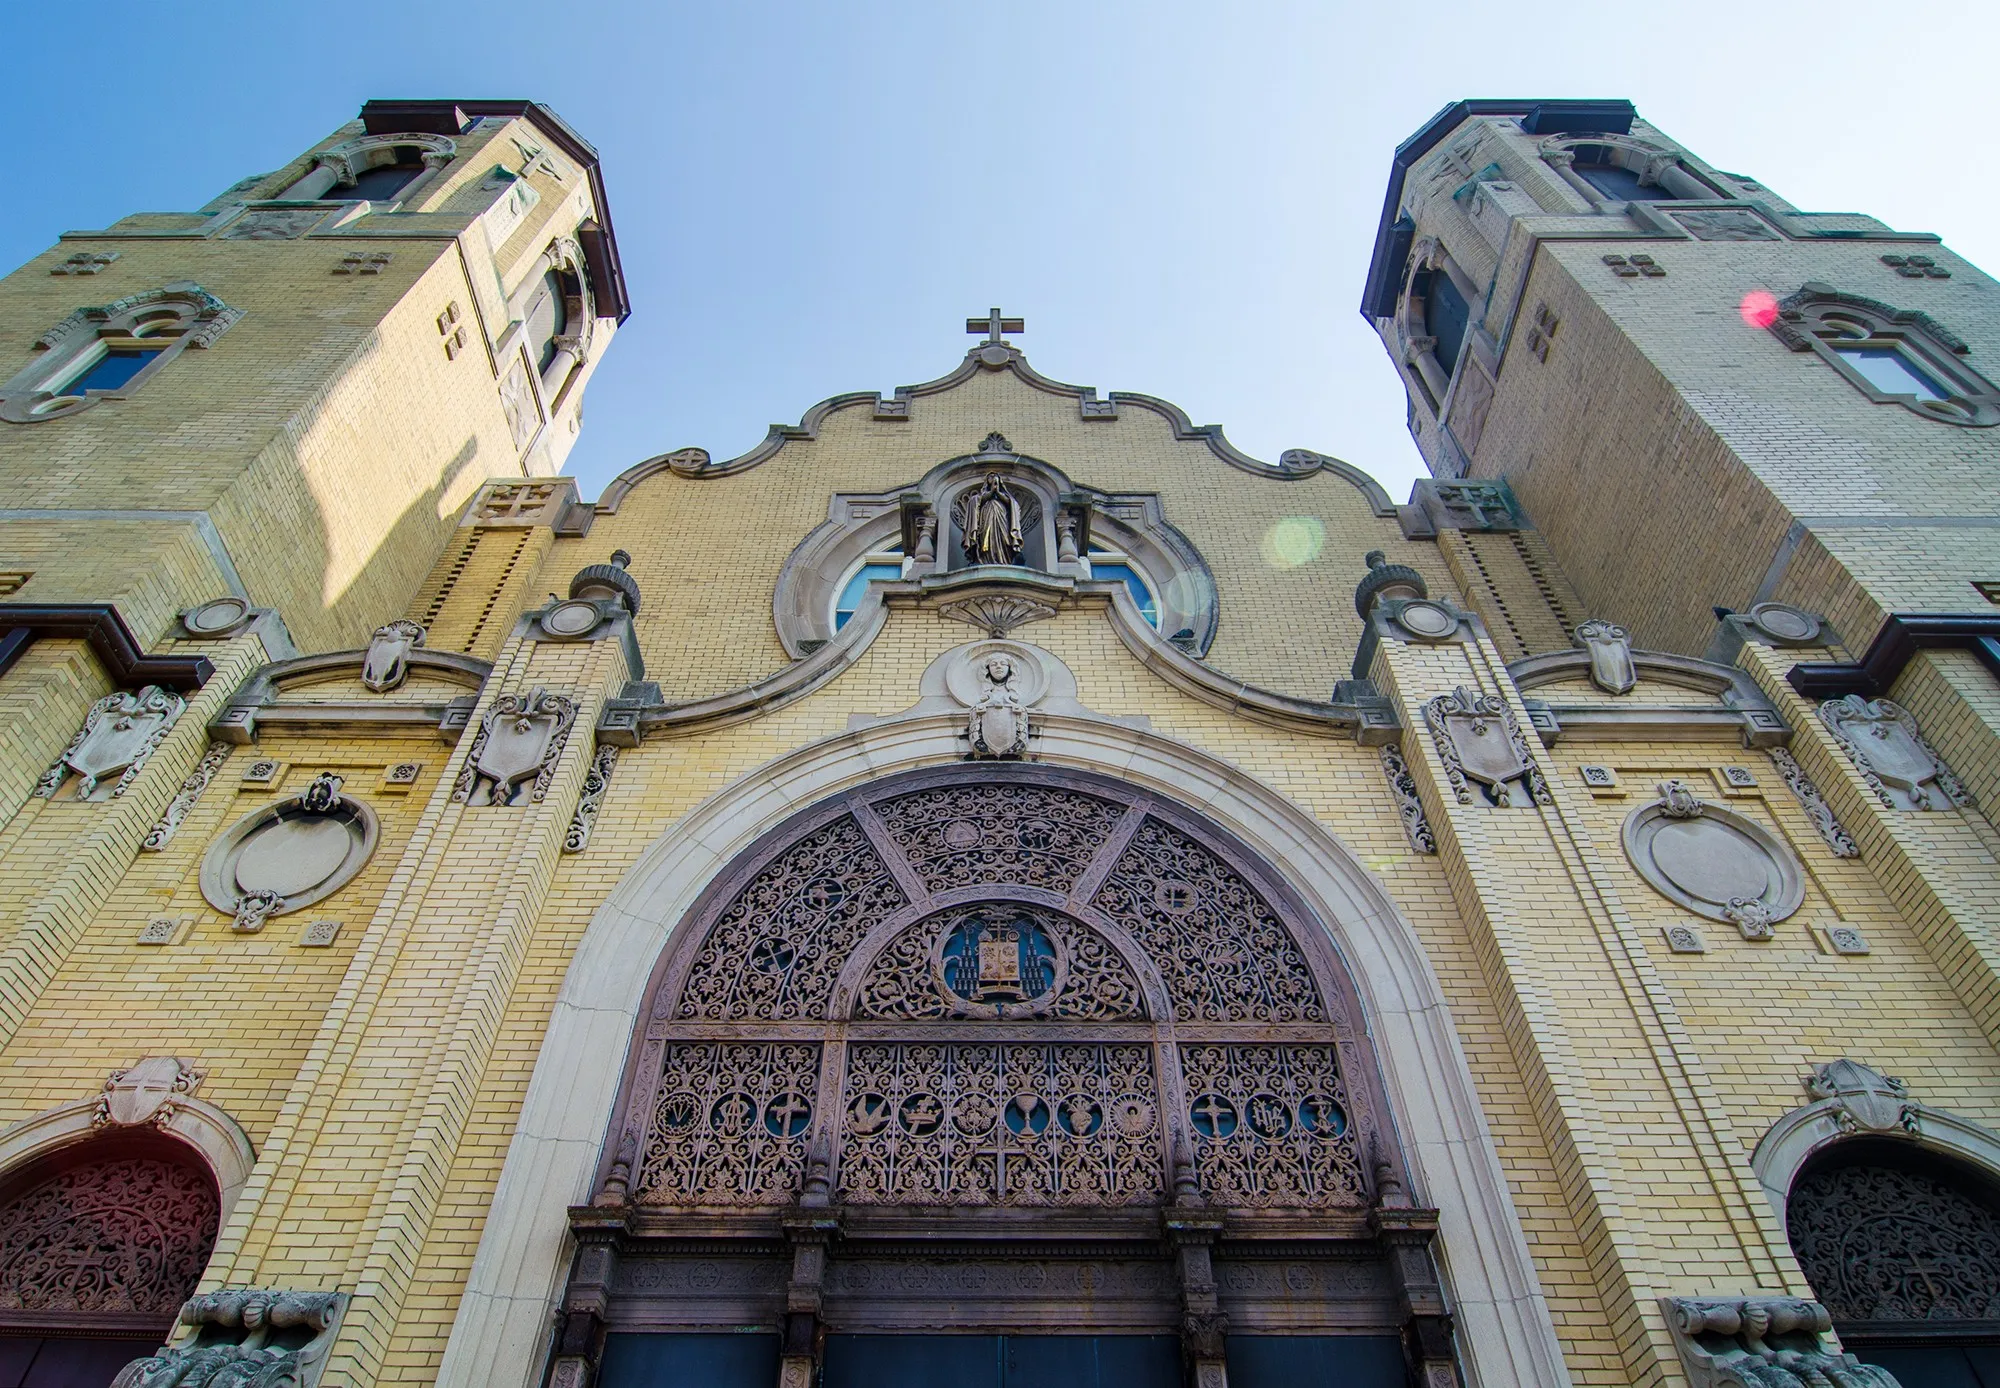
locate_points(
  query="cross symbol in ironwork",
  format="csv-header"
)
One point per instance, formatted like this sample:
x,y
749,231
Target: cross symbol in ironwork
x,y
993,325
785,1108
1000,1151
1214,1110
1924,1272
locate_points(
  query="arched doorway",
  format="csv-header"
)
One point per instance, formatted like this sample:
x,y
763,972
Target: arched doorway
x,y
1902,1246
1005,1076
100,1243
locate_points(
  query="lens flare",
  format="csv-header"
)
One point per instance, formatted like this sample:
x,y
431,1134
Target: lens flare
x,y
1293,541
1759,308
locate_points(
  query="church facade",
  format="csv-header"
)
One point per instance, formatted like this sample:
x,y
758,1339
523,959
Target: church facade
x,y
994,884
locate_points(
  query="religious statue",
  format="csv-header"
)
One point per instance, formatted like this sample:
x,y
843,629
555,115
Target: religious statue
x,y
998,726
989,523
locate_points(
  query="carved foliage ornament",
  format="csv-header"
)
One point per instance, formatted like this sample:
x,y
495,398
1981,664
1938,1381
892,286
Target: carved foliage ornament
x,y
519,741
1763,1342
1404,787
1479,741
117,736
595,782
249,1337
1814,804
192,786
1883,740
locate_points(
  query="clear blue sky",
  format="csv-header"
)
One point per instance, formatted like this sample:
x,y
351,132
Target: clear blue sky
x,y
1179,197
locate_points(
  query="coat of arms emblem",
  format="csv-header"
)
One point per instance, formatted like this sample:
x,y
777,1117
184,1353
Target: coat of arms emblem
x,y
1883,740
120,732
519,741
1481,744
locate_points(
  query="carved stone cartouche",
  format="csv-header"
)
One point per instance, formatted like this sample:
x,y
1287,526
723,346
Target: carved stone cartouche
x,y
998,723
117,736
1864,1099
386,663
1479,741
145,1093
1889,750
519,741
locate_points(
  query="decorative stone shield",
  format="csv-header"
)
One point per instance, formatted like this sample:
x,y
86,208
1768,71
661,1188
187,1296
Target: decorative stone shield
x,y
1479,741
1610,648
1886,746
519,741
1864,1099
145,1093
387,663
120,732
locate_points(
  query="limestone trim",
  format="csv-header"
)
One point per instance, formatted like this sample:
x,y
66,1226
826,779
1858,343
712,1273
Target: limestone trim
x,y
1799,1136
163,322
1069,518
261,701
1745,713
1292,464
501,1331
222,1143
1368,720
338,166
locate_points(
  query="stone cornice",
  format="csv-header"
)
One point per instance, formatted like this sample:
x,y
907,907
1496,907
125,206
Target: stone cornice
x,y
1292,465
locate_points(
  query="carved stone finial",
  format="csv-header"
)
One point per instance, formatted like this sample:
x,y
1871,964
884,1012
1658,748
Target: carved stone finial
x,y
607,583
1610,648
1386,580
387,661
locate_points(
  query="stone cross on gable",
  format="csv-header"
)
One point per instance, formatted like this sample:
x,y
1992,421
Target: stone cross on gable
x,y
993,325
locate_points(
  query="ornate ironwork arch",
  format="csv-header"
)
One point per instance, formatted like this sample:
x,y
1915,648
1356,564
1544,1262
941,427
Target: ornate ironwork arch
x,y
107,1236
1009,986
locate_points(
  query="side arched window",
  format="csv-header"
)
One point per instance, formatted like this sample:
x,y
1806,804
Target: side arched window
x,y
1892,356
108,353
1902,1246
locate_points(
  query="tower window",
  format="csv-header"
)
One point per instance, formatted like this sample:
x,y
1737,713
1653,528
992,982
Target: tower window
x,y
384,181
1445,315
1599,167
113,370
1892,356
548,317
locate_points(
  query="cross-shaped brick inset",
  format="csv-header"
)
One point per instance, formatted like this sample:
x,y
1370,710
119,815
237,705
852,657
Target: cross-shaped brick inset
x,y
512,503
993,325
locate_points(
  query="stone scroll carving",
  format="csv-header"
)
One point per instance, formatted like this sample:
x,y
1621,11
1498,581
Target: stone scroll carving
x,y
196,781
386,663
1763,1342
269,1339
1610,648
516,749
595,782
118,735
1814,804
1404,787
998,724
1480,743
1889,750
1713,861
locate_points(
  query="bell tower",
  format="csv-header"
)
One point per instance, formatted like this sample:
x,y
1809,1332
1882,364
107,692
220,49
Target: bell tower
x,y
286,396
1707,399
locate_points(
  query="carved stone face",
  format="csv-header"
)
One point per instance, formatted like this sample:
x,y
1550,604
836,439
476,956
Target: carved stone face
x,y
999,669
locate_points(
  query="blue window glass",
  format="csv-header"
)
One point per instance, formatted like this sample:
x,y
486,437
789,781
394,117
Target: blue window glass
x,y
678,1360
1892,373
1142,596
112,370
850,596
1445,316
